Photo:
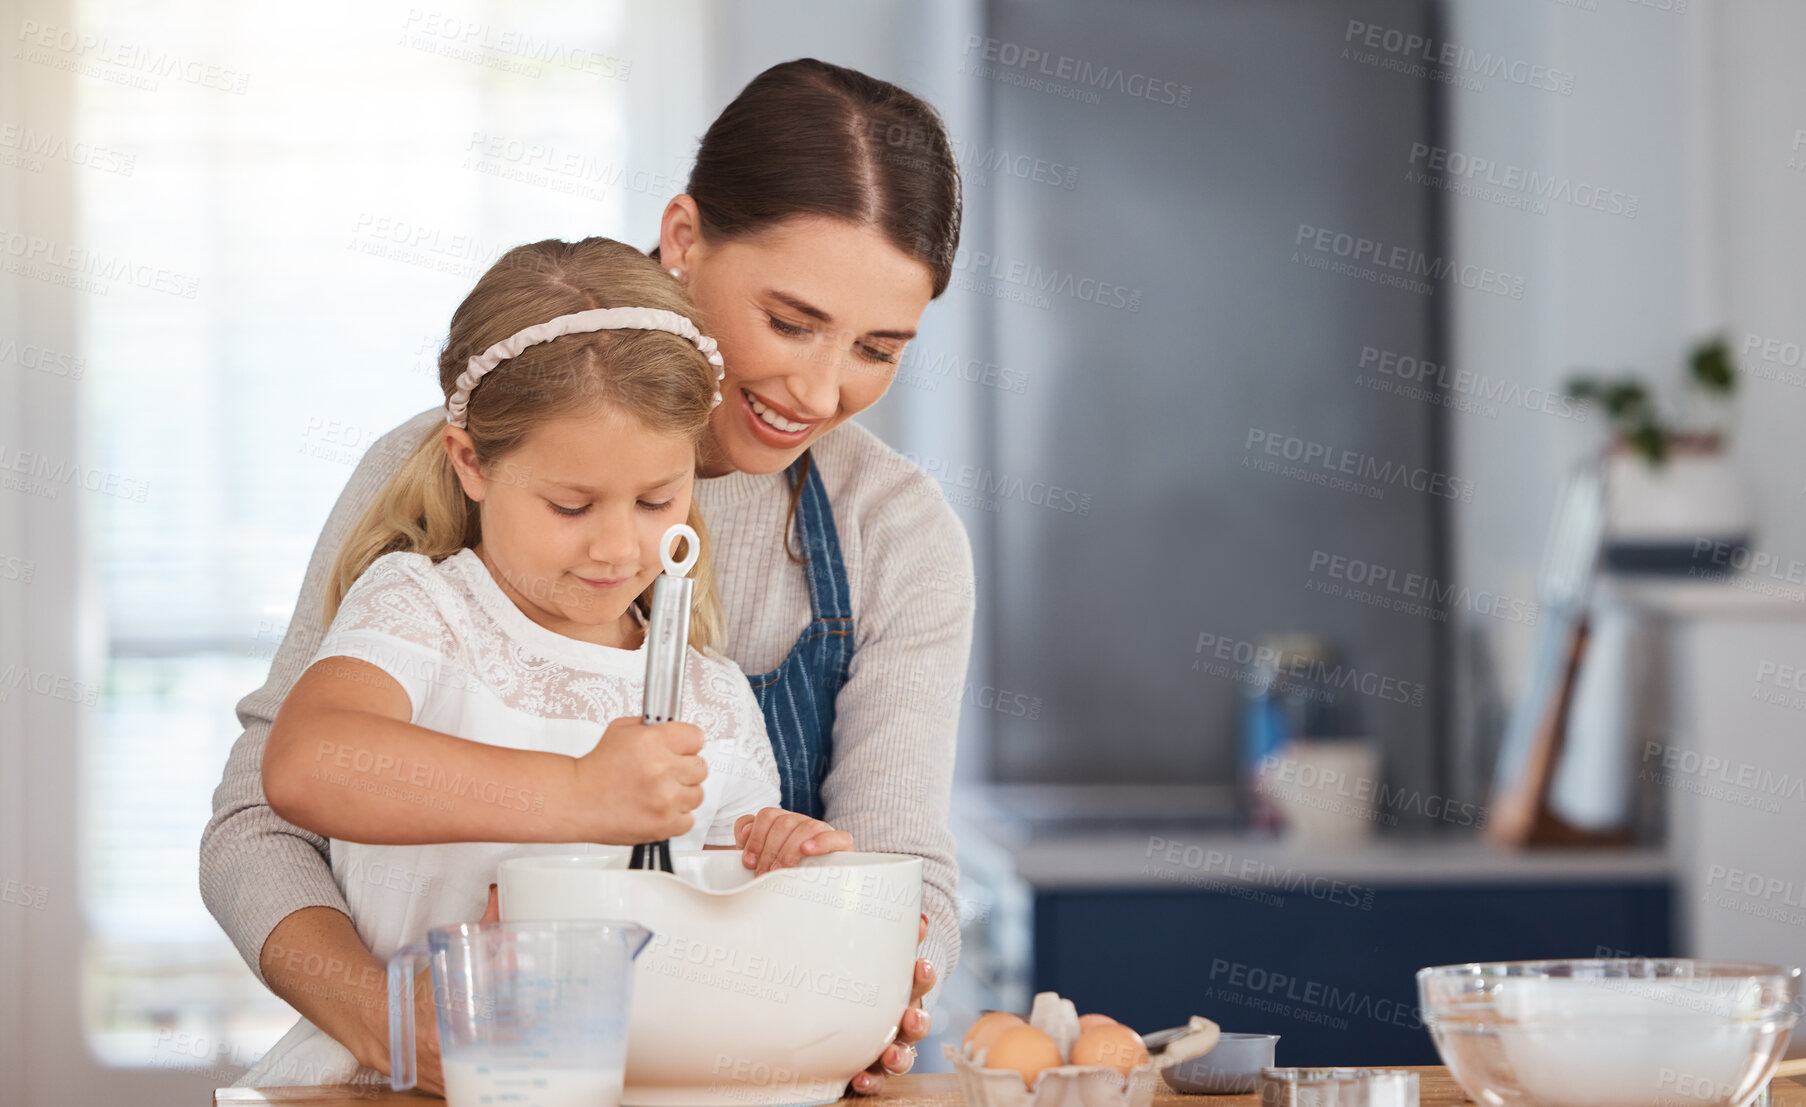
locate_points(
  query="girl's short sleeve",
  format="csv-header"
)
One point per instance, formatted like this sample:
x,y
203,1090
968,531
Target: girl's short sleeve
x,y
394,617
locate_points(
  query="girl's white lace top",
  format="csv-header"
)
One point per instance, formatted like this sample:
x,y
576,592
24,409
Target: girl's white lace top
x,y
475,666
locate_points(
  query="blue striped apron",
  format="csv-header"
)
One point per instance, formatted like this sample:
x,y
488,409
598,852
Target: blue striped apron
x,y
798,696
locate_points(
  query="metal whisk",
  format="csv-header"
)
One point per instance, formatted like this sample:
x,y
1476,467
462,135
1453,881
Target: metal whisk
x,y
667,645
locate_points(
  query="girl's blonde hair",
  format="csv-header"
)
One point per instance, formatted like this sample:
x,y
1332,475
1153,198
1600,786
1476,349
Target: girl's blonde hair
x,y
659,378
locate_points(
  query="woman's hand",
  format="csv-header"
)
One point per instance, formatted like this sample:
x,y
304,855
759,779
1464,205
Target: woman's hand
x,y
429,1075
900,1056
778,839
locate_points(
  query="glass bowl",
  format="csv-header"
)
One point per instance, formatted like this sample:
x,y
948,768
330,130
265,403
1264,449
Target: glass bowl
x,y
1610,1033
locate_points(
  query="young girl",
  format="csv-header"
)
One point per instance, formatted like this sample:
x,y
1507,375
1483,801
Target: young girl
x,y
487,615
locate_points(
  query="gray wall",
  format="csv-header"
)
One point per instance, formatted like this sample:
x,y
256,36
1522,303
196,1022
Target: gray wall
x,y
1149,410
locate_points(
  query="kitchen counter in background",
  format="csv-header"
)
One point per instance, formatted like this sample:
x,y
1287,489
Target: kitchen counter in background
x,y
1144,903
1148,842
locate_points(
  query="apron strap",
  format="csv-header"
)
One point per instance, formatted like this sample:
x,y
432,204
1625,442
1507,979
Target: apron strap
x,y
829,596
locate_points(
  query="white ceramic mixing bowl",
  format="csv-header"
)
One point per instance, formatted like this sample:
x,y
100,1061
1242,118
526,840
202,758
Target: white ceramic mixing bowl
x,y
751,993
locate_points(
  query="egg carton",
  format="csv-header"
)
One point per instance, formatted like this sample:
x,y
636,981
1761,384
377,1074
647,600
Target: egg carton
x,y
1072,1085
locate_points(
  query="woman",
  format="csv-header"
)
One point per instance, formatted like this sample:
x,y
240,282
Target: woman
x,y
821,218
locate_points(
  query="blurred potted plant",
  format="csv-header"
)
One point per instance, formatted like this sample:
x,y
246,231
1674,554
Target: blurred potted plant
x,y
1673,495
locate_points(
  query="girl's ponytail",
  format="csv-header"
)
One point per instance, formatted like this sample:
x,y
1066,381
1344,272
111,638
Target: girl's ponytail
x,y
421,510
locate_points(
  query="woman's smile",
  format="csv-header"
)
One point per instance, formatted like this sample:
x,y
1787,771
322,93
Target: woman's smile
x,y
812,314
774,425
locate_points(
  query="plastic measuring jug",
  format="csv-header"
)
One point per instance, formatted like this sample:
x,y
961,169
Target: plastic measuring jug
x,y
529,1013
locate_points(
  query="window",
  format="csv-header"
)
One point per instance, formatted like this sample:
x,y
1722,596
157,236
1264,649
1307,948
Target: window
x,y
293,201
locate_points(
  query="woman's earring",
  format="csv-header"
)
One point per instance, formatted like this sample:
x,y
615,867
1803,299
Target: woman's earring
x,y
677,274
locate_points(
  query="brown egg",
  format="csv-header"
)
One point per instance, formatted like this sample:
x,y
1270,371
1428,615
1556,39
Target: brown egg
x,y
1086,1022
1114,1045
1026,1050
986,1028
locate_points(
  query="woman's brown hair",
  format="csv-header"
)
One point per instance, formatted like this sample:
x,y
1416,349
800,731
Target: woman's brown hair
x,y
809,138
661,379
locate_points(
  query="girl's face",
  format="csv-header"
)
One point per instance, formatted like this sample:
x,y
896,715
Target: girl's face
x,y
573,517
811,314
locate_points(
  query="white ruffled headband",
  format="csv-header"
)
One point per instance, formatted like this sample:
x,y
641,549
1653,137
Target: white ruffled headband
x,y
457,405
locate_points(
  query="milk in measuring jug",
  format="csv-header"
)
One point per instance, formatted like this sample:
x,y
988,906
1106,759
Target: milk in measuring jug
x,y
480,1083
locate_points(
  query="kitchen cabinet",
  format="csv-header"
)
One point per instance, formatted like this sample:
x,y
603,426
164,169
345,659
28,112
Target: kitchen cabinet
x,y
1150,920
1720,752
1335,981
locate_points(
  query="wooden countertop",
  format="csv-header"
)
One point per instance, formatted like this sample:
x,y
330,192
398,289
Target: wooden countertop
x,y
931,1090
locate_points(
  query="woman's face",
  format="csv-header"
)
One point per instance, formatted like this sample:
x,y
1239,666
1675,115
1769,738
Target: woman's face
x,y
574,516
812,316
